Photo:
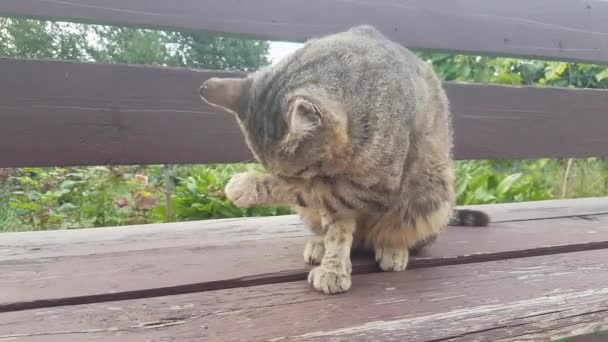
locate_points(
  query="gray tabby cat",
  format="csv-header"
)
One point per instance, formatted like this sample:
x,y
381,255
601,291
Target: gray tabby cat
x,y
354,132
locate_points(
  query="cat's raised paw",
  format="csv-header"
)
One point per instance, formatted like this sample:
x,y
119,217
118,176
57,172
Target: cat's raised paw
x,y
314,251
329,281
392,259
241,189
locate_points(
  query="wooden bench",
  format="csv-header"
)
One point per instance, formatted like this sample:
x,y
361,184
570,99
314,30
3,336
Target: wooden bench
x,y
540,271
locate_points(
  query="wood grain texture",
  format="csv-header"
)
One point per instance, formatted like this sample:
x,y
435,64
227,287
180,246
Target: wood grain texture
x,y
560,29
75,267
56,113
532,299
64,243
61,113
499,122
540,210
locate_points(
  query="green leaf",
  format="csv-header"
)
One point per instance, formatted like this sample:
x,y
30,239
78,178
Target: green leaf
x,y
461,185
68,184
508,78
602,75
507,182
67,207
555,70
481,196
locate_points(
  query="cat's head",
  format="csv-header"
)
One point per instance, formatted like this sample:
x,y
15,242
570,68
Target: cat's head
x,y
291,124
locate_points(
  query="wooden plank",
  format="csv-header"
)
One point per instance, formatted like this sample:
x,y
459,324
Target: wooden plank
x,y
524,299
538,210
561,29
499,122
55,113
61,113
74,267
78,242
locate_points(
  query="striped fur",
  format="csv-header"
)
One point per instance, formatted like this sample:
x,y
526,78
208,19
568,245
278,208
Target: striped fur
x,y
354,132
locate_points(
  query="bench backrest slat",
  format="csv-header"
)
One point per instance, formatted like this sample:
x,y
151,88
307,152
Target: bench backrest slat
x,y
561,29
64,113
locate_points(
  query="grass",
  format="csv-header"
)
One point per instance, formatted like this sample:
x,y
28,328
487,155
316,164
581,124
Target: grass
x,y
587,178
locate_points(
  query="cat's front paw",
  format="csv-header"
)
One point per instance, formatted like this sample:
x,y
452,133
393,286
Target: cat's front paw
x,y
314,251
329,281
241,189
392,259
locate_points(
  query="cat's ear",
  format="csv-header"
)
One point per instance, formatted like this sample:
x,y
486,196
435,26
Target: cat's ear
x,y
229,93
303,117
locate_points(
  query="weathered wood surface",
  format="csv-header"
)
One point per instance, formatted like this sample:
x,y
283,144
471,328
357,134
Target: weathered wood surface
x,y
56,113
530,299
596,336
61,113
523,211
562,29
62,243
69,267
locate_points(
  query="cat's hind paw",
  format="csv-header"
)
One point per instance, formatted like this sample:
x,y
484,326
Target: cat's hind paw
x,y
329,281
314,251
392,259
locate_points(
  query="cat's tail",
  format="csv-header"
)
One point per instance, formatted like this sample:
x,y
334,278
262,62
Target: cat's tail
x,y
469,218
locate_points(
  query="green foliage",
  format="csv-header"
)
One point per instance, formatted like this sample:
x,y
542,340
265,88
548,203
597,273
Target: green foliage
x,y
484,69
130,46
27,38
200,50
199,195
52,198
480,182
38,39
45,198
8,218
588,177
179,49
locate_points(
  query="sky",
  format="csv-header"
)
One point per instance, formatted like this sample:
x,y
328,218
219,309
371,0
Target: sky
x,y
279,50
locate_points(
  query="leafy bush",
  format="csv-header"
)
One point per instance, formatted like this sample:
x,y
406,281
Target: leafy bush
x,y
514,71
45,198
51,198
8,218
199,195
480,182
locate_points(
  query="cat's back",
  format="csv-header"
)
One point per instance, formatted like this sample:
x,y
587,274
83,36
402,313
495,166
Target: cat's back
x,y
361,52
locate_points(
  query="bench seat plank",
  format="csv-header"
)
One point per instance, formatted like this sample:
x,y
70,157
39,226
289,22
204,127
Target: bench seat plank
x,y
46,269
529,298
